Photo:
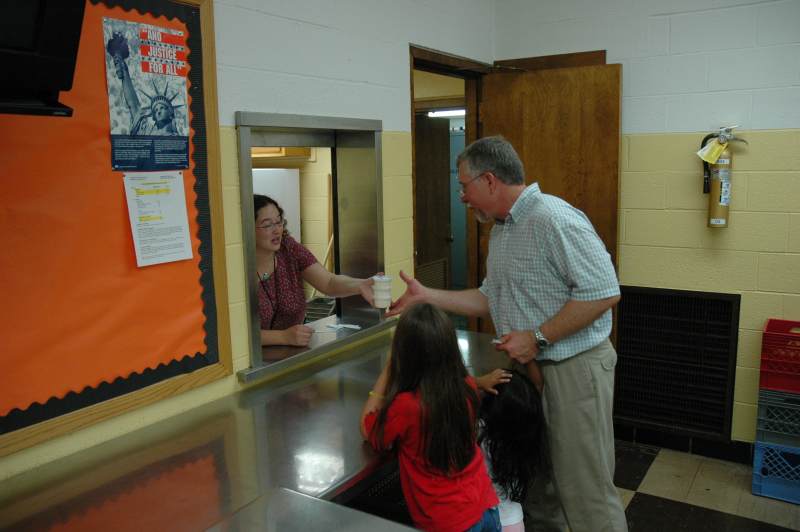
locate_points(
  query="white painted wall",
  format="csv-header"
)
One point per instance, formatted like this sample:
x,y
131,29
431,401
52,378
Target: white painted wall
x,y
337,58
282,185
688,65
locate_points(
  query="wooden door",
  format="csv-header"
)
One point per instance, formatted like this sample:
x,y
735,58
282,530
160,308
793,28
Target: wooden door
x,y
565,125
432,200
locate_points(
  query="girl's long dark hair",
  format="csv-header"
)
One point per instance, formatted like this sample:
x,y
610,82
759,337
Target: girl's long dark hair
x,y
513,433
425,358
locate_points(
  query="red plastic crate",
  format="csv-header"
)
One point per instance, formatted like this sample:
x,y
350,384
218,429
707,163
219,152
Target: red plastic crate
x,y
780,356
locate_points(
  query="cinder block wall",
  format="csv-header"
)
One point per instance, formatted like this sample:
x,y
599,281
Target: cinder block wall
x,y
664,241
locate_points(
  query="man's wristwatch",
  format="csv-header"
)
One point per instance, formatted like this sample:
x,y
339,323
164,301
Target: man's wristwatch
x,y
541,342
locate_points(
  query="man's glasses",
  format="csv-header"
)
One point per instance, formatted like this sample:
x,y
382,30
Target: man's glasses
x,y
269,226
463,190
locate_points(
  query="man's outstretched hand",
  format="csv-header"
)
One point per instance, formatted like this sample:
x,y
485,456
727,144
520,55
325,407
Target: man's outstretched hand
x,y
415,293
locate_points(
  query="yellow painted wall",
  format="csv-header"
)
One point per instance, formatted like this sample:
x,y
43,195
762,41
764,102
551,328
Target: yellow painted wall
x,y
398,234
398,210
664,241
429,86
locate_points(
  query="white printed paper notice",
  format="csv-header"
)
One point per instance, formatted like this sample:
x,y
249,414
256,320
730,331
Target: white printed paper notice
x,y
157,210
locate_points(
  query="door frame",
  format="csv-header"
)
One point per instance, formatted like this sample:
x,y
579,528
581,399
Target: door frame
x,y
470,71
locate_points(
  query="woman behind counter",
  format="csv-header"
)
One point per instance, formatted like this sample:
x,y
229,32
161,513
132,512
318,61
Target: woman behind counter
x,y
283,264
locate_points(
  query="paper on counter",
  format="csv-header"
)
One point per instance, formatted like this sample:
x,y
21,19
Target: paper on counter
x,y
337,326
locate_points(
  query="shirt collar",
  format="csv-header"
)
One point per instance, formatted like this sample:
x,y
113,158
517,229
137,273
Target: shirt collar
x,y
521,209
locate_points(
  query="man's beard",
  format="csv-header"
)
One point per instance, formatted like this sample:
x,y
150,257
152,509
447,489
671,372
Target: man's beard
x,y
480,215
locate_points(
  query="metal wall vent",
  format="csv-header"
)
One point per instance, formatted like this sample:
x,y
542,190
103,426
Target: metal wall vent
x,y
434,274
677,360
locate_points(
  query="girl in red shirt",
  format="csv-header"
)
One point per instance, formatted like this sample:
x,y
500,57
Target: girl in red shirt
x,y
424,406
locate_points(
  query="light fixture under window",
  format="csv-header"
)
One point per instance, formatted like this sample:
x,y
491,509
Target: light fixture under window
x,y
445,114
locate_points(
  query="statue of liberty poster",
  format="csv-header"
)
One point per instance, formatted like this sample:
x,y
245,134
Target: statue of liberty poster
x,y
146,71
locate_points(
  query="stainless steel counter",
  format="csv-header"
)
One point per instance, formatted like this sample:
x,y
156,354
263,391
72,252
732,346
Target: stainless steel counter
x,y
200,468
280,510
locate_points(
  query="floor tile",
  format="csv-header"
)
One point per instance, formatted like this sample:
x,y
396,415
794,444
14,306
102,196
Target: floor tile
x,y
647,513
671,475
720,485
768,510
625,495
632,462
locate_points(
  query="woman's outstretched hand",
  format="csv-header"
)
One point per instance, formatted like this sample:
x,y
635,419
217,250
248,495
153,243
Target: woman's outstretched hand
x,y
415,293
488,382
365,289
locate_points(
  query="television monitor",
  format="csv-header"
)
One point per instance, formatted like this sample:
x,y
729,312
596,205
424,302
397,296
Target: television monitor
x,y
38,48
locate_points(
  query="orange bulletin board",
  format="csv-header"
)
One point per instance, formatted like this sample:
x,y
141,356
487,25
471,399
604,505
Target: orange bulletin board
x,y
77,312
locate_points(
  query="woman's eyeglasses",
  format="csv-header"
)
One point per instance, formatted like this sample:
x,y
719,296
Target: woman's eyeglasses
x,y
269,226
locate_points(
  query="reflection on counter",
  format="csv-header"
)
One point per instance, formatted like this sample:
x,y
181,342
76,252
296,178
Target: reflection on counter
x,y
182,484
283,509
194,470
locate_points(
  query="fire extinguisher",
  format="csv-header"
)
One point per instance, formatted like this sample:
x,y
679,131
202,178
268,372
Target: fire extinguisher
x,y
717,162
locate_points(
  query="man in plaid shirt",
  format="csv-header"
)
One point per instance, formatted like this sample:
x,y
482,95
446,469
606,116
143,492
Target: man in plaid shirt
x,y
549,289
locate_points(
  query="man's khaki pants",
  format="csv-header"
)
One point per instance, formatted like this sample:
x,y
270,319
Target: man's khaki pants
x,y
578,400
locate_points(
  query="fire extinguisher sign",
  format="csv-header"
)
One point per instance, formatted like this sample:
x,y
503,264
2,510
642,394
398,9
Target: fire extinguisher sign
x,y
725,186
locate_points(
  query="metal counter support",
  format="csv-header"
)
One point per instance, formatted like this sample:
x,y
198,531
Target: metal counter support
x,y
200,468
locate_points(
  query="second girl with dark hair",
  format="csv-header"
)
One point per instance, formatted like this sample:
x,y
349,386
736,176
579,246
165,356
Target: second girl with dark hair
x,y
283,264
513,436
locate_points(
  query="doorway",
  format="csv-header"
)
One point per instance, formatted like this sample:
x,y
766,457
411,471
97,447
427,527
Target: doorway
x,y
440,85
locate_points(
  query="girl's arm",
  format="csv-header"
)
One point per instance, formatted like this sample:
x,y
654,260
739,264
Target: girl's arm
x,y
376,398
487,382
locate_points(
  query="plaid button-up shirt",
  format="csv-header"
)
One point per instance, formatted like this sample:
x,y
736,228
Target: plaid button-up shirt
x,y
545,253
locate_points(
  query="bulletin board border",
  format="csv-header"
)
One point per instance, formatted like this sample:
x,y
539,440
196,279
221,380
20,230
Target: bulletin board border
x,y
47,422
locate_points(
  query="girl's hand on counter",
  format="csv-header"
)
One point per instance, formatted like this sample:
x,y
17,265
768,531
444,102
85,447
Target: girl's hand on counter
x,y
488,382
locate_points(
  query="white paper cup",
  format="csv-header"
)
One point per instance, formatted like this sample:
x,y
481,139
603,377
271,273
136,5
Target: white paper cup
x,y
382,291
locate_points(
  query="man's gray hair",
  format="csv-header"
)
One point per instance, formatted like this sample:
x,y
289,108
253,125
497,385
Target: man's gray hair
x,y
495,155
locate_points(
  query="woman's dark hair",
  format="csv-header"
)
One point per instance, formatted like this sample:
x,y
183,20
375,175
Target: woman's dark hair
x,y
425,357
513,433
260,201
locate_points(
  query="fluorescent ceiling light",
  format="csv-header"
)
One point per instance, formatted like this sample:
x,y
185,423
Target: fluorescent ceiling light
x,y
443,114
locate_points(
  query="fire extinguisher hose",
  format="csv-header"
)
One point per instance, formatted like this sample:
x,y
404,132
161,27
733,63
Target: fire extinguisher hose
x,y
706,168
